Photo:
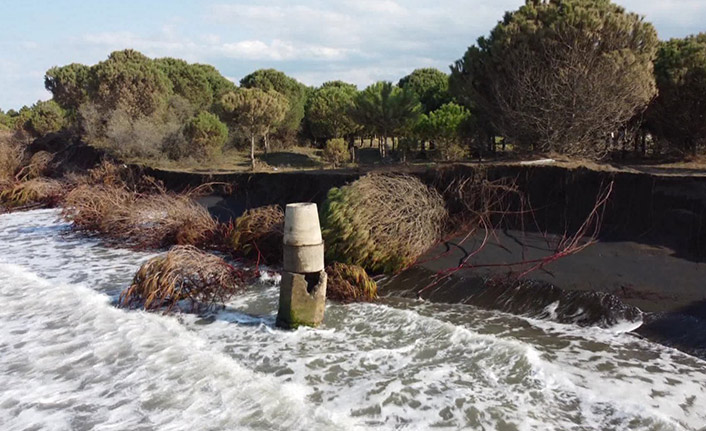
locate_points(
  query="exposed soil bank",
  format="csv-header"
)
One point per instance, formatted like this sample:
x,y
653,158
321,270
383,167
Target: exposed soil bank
x,y
649,209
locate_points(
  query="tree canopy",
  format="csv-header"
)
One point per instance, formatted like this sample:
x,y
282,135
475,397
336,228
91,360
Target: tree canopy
x,y
328,110
132,82
69,85
678,115
187,81
386,109
206,134
294,91
560,74
254,112
444,127
430,85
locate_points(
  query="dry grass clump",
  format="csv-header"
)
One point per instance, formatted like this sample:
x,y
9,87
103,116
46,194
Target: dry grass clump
x,y
382,222
350,283
88,207
184,273
39,164
11,157
141,220
112,174
34,192
164,219
258,233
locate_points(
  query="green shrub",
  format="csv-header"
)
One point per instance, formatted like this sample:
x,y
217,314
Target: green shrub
x,y
46,117
382,223
206,134
336,151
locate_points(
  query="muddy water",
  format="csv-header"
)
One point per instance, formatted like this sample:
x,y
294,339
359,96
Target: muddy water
x,y
70,360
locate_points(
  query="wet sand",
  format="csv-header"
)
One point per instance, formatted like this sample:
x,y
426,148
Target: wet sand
x,y
670,289
650,277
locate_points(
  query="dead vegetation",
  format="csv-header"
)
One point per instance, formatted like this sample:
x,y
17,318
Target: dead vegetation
x,y
109,173
257,234
142,221
11,158
39,164
349,283
37,192
382,222
183,274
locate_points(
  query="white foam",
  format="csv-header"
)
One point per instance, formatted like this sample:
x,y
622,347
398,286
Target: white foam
x,y
71,360
77,362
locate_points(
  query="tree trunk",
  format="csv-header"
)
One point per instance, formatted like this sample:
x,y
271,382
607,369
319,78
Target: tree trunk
x,y
351,147
252,151
267,143
644,143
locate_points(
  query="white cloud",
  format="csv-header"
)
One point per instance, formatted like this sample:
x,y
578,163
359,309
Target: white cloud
x,y
359,41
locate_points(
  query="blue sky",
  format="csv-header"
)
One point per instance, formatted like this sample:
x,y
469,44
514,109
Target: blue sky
x,y
359,41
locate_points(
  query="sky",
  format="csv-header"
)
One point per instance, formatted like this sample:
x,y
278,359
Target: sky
x,y
358,41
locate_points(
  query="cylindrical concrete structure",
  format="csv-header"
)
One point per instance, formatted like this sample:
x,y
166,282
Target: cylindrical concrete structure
x,y
302,297
303,259
301,225
303,245
302,300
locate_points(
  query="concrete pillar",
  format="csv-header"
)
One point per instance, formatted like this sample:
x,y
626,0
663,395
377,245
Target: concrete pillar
x,y
302,296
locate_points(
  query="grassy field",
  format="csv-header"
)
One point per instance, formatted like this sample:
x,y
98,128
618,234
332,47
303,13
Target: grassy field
x,y
231,160
311,159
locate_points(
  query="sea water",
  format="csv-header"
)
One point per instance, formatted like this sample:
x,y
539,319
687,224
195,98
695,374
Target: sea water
x,y
71,360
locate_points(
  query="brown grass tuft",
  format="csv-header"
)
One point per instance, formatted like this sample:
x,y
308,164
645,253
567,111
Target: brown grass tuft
x,y
349,283
140,220
39,164
258,233
112,174
35,192
184,273
11,157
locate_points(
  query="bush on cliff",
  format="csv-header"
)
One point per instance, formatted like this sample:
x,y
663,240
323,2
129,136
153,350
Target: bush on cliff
x,y
206,135
39,164
382,223
336,151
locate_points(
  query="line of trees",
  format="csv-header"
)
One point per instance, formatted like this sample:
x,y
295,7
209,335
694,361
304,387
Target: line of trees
x,y
576,77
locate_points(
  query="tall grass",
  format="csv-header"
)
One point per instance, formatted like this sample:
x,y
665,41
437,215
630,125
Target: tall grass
x,y
139,220
42,192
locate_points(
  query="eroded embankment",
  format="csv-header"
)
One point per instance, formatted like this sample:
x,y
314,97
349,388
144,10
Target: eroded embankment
x,y
650,255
